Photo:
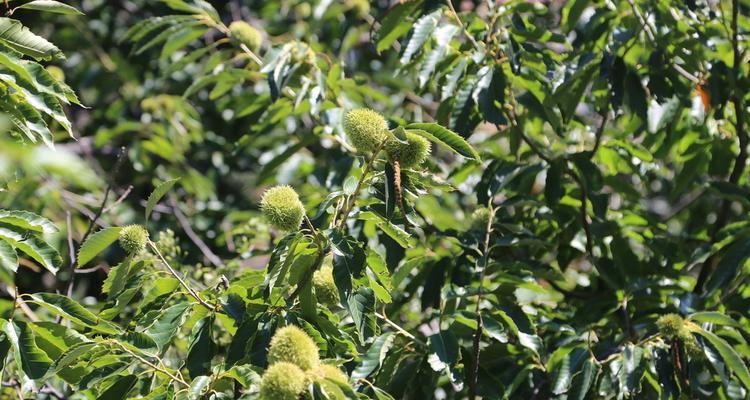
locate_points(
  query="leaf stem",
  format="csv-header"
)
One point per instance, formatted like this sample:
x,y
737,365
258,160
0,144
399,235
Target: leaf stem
x,y
151,365
179,278
400,329
353,198
480,292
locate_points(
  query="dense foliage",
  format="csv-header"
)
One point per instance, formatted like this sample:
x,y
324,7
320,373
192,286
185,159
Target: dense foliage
x,y
381,200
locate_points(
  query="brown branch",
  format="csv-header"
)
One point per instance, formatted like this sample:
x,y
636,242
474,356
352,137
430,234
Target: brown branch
x,y
177,276
353,198
185,224
92,222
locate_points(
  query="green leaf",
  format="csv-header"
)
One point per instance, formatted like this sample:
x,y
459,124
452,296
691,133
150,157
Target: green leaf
x,y
21,39
41,252
728,354
164,328
445,137
420,33
28,221
8,256
30,359
120,389
157,194
73,311
374,356
395,24
50,6
714,317
202,348
443,356
96,243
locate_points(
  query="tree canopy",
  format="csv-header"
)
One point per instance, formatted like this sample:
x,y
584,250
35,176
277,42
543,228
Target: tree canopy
x,y
355,199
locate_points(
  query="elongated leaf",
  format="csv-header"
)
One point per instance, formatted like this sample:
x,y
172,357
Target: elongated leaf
x,y
30,359
728,354
157,194
202,348
445,137
119,390
374,356
396,23
20,38
73,311
420,33
41,252
164,328
444,353
27,220
50,6
714,317
96,243
8,257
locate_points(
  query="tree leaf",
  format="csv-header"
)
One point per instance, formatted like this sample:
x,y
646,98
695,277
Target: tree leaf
x,y
730,357
28,221
445,137
8,256
120,389
202,348
50,6
166,325
96,243
157,194
21,39
30,359
420,33
72,310
374,356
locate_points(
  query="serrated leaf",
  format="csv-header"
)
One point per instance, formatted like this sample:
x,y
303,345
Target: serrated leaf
x,y
202,348
73,311
420,33
445,137
157,194
374,356
732,360
96,243
21,39
30,358
8,256
50,6
164,328
27,220
714,317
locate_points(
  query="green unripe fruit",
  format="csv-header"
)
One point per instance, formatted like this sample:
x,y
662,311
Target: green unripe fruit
x,y
282,381
409,154
479,218
327,371
292,345
133,239
325,288
282,208
671,326
246,34
365,128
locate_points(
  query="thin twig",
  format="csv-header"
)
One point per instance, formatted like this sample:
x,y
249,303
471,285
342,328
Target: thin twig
x,y
480,293
120,199
353,198
185,224
400,329
599,133
179,278
152,365
455,16
92,222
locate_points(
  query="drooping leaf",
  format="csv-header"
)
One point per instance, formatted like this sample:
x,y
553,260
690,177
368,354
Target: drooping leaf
x,y
445,137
